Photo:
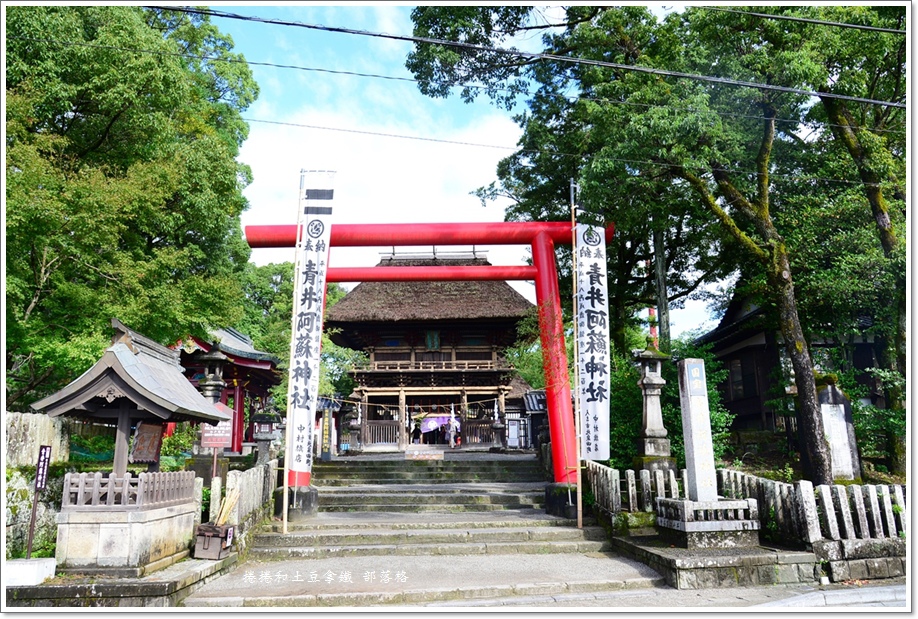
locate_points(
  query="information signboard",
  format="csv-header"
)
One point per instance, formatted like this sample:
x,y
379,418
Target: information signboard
x,y
220,435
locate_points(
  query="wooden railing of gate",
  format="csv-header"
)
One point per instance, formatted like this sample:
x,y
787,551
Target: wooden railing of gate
x,y
382,432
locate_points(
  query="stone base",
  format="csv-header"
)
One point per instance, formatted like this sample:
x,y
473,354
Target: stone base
x,y
27,572
703,540
655,447
862,559
203,467
302,503
655,463
561,500
719,568
708,524
124,542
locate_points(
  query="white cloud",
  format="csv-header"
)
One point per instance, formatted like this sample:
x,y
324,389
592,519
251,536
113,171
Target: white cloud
x,y
379,179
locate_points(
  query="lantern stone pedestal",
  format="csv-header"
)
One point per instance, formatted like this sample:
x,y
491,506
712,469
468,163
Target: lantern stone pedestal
x,y
302,503
500,437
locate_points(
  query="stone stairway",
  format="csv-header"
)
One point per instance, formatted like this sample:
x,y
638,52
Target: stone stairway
x,y
392,531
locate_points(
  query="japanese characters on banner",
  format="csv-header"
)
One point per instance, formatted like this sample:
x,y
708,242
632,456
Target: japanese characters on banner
x,y
313,239
593,342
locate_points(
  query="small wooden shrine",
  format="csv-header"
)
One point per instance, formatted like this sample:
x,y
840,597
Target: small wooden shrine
x,y
434,351
114,523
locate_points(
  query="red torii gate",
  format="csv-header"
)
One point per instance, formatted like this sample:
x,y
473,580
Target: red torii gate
x,y
542,236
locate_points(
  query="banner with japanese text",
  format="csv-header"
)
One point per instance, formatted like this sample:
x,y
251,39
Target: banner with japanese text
x,y
313,239
592,342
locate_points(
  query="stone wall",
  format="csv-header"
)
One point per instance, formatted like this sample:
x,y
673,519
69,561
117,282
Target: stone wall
x,y
256,488
26,432
20,488
857,531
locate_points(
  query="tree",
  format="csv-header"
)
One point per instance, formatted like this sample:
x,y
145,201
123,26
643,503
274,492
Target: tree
x,y
123,192
719,143
268,310
656,220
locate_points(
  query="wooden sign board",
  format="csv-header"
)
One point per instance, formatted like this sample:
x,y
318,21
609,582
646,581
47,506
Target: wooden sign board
x,y
424,454
148,439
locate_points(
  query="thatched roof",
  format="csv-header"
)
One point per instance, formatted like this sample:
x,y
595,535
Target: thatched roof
x,y
428,301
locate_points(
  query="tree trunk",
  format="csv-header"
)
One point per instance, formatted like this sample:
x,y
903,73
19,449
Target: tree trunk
x,y
659,259
815,452
846,130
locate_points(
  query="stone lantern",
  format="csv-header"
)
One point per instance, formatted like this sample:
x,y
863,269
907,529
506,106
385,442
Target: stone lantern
x,y
265,432
212,385
653,447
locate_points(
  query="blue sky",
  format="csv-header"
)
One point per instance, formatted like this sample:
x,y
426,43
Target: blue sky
x,y
345,123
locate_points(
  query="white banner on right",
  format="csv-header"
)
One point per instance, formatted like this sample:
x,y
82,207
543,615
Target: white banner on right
x,y
593,342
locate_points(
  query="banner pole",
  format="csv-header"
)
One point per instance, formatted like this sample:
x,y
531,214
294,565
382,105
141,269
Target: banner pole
x,y
296,285
577,411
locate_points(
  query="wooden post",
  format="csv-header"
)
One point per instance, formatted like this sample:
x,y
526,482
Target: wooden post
x,y
403,434
122,441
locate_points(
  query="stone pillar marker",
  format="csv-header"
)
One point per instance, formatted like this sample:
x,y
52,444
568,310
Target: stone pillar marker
x,y
701,479
702,520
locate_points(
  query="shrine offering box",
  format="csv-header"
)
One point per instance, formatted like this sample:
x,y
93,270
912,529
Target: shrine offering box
x,y
213,541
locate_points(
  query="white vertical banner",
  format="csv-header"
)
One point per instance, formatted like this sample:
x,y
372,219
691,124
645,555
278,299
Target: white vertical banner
x,y
593,342
312,247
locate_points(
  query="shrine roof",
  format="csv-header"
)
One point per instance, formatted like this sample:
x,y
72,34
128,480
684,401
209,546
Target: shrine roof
x,y
424,301
233,342
141,370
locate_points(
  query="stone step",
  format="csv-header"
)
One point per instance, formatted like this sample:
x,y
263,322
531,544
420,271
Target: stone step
x,y
431,473
445,462
332,483
430,465
414,537
372,581
407,522
432,549
432,507
360,498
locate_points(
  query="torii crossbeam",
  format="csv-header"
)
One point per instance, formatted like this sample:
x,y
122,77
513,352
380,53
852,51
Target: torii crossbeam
x,y
541,236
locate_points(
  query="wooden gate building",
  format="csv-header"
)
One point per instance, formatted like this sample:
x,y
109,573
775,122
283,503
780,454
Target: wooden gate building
x,y
433,349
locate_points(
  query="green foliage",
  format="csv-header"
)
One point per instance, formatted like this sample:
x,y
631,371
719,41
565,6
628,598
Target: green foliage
x,y
98,448
123,193
268,310
626,407
736,178
181,441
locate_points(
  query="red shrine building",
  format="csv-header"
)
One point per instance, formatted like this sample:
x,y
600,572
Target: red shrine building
x,y
434,349
248,373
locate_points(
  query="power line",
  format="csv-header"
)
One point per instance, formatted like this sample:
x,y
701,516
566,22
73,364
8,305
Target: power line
x,y
413,80
377,134
805,20
418,138
538,56
627,162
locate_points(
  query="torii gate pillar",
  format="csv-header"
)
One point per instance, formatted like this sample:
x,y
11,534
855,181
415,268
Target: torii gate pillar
x,y
541,235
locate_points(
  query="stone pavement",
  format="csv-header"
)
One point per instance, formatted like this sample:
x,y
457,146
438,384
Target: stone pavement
x,y
519,581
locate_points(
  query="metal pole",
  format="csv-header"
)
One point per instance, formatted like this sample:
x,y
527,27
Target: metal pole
x,y
577,411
